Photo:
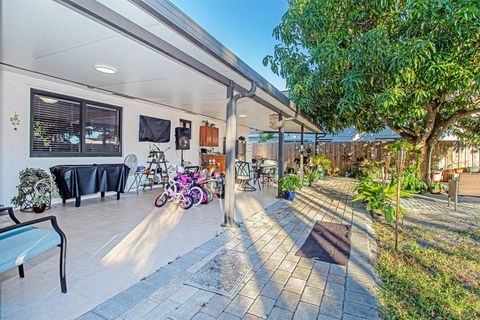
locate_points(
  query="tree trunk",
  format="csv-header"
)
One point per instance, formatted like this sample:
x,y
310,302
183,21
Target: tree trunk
x,y
428,147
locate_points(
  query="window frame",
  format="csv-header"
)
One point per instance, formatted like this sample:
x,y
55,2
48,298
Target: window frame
x,y
83,105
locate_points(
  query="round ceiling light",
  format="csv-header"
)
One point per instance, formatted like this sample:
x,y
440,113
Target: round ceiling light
x,y
242,115
105,69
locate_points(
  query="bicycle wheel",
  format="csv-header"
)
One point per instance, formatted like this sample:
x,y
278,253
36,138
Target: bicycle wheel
x,y
162,199
198,195
209,196
186,202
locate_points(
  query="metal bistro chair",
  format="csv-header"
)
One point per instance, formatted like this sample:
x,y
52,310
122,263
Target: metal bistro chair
x,y
269,172
244,173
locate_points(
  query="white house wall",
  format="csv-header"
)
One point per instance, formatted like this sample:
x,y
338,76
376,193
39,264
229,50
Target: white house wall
x,y
15,144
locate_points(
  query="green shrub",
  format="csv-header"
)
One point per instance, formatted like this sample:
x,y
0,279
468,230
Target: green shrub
x,y
370,192
309,177
323,162
411,181
366,168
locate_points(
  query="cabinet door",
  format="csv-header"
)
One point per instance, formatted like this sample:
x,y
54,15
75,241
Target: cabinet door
x,y
214,137
209,137
203,136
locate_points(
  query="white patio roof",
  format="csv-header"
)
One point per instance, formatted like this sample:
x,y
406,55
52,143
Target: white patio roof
x,y
160,54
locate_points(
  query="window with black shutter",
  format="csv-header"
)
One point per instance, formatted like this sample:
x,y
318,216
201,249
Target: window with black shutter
x,y
64,126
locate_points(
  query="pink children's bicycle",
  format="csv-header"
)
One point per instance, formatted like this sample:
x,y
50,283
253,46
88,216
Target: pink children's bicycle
x,y
171,193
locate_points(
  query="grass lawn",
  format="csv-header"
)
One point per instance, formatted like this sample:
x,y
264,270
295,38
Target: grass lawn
x,y
434,275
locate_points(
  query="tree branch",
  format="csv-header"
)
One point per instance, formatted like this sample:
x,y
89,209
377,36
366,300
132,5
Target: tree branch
x,y
441,126
407,136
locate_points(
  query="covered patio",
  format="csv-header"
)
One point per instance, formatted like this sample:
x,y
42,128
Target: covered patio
x,y
158,63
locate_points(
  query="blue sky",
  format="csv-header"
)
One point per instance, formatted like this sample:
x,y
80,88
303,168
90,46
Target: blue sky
x,y
243,26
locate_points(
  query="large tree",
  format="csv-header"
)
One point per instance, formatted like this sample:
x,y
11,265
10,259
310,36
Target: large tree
x,y
413,66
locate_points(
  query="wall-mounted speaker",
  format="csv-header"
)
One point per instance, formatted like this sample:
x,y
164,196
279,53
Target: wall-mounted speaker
x,y
182,138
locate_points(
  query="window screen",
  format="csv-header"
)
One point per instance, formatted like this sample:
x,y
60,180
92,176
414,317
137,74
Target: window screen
x,y
65,126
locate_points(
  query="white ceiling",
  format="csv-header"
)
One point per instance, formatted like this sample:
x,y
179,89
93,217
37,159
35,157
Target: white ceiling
x,y
46,37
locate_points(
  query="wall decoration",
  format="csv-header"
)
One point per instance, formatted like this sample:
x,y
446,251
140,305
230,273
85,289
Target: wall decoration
x,y
15,120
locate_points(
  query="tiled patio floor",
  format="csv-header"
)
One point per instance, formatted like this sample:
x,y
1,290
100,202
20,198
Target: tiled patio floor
x,y
280,284
111,245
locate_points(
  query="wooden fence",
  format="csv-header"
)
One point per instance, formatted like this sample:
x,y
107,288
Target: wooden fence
x,y
447,154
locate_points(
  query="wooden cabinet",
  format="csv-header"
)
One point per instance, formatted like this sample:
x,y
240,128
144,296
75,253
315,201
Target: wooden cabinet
x,y
208,136
218,159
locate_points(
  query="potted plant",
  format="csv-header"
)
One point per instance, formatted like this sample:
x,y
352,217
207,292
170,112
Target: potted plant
x,y
309,177
34,183
44,189
289,184
436,188
437,174
323,164
39,202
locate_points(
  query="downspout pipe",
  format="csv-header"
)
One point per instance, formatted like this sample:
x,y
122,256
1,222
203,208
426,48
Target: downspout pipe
x,y
281,123
246,94
231,136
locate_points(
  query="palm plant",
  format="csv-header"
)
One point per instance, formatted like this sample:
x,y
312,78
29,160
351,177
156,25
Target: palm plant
x,y
381,201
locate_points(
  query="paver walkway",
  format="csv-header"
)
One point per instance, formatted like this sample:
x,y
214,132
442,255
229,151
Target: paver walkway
x,y
280,284
433,211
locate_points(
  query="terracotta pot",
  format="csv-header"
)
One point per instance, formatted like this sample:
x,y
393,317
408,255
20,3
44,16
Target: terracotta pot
x,y
40,208
437,176
450,171
459,170
435,191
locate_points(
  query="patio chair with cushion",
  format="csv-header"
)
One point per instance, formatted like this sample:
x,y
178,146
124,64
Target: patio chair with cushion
x,y
466,184
21,242
244,173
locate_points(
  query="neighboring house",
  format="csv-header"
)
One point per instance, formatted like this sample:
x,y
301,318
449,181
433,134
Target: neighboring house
x,y
346,135
349,134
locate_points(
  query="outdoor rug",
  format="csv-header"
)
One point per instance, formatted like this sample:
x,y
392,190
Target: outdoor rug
x,y
222,274
329,242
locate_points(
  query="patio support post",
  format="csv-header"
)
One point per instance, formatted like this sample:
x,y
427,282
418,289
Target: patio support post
x,y
300,172
281,153
230,136
230,145
316,143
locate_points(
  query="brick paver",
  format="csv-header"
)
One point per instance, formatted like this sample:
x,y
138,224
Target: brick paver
x,y
280,284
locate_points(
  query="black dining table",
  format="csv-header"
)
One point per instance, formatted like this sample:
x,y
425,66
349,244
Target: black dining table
x,y
73,181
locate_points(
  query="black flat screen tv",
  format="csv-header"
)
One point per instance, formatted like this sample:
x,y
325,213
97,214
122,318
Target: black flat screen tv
x,y
154,129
